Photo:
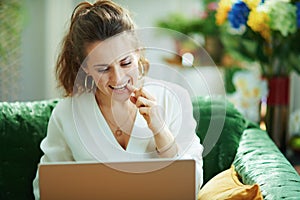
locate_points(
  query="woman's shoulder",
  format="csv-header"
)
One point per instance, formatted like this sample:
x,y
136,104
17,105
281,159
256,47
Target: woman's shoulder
x,y
63,106
66,104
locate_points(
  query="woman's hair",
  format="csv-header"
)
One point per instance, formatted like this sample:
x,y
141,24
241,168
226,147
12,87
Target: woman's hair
x,y
89,23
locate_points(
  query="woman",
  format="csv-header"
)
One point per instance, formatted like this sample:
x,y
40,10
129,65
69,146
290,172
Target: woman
x,y
112,112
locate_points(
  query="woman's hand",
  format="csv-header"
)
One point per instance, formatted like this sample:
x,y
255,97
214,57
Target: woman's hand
x,y
149,109
154,115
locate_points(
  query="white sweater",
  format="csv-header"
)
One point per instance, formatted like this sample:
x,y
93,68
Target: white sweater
x,y
77,131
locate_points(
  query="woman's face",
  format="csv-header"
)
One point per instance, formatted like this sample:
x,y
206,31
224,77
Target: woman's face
x,y
113,64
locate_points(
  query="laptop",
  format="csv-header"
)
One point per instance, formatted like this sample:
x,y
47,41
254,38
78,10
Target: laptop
x,y
155,180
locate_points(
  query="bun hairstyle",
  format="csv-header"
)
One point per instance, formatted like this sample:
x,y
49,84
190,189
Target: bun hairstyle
x,y
89,23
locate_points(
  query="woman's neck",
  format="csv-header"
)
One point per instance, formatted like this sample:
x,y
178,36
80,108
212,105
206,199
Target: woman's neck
x,y
105,102
118,115
115,110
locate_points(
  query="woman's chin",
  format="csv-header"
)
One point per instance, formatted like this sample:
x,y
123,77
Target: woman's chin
x,y
120,95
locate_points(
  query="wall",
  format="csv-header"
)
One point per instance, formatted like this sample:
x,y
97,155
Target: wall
x,y
44,27
57,18
33,51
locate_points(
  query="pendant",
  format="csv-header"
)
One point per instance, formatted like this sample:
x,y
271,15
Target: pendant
x,y
118,133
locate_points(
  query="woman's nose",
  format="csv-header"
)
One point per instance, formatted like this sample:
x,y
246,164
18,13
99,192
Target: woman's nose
x,y
117,74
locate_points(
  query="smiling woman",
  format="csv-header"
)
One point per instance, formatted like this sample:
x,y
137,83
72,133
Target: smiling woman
x,y
112,111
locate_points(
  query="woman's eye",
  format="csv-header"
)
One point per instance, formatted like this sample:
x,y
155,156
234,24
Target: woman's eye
x,y
103,69
126,62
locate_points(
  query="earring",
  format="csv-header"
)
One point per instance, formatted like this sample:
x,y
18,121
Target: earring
x,y
88,89
141,70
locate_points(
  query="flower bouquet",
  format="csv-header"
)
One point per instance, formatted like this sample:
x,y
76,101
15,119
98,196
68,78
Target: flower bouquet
x,y
266,31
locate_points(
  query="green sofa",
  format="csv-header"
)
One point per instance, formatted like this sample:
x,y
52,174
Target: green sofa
x,y
228,138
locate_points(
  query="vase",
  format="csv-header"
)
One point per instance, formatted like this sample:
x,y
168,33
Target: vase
x,y
277,113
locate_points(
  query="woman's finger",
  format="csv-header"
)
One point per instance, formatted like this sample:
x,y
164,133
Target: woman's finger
x,y
131,88
133,99
144,111
142,92
143,102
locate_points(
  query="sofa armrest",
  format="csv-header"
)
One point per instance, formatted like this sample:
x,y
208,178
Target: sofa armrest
x,y
258,160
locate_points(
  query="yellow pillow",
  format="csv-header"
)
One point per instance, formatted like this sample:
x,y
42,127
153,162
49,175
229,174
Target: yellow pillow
x,y
226,185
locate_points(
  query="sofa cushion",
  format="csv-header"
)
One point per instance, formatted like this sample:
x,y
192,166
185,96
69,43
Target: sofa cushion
x,y
22,127
226,185
219,126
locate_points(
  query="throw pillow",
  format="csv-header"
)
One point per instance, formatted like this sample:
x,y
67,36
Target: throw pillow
x,y
226,185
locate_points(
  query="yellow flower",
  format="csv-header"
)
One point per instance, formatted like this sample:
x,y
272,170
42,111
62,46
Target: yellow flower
x,y
259,22
224,6
256,92
241,83
246,94
252,4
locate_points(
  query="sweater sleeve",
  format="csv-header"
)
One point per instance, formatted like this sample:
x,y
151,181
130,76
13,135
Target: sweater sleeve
x,y
54,147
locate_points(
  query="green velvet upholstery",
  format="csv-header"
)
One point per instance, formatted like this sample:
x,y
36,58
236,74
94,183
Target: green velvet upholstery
x,y
218,118
228,138
22,127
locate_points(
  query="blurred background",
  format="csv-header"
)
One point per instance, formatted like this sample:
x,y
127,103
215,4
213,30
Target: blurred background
x,y
31,32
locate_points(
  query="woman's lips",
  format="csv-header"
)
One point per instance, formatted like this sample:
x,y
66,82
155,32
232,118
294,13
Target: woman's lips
x,y
119,87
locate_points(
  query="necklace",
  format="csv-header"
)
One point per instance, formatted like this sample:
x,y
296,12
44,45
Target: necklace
x,y
118,132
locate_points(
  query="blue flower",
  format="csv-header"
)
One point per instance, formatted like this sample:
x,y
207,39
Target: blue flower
x,y
298,14
238,15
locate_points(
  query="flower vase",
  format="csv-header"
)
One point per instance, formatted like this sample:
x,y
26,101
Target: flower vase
x,y
277,113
